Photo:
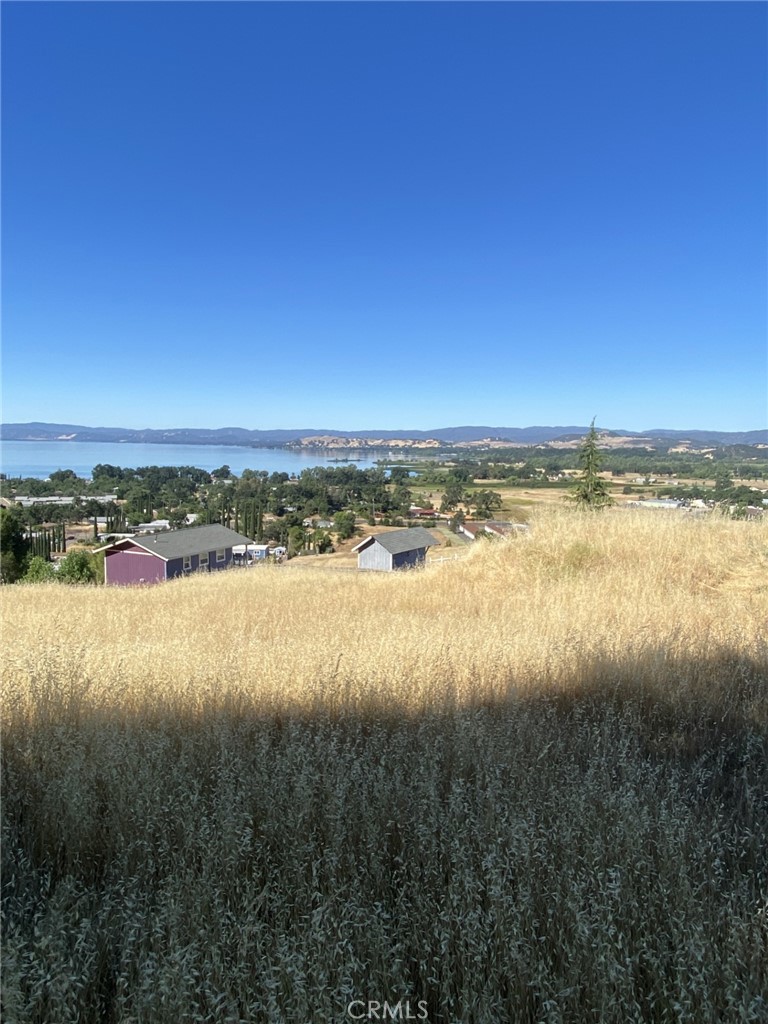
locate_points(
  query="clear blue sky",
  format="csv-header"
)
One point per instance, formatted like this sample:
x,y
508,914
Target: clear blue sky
x,y
385,214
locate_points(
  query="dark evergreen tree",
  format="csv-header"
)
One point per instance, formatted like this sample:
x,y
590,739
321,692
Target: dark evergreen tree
x,y
590,490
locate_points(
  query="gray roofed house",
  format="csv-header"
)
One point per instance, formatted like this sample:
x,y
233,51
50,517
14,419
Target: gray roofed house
x,y
151,558
400,549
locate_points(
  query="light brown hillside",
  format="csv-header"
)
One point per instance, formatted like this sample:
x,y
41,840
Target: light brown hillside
x,y
528,785
538,610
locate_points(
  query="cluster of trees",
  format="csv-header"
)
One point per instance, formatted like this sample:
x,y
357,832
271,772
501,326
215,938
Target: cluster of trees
x,y
25,555
43,541
534,466
264,506
171,491
79,567
591,490
336,495
533,473
480,503
724,492
274,507
457,486
62,483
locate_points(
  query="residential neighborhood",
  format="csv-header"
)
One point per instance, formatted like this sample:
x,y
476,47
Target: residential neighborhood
x,y
341,516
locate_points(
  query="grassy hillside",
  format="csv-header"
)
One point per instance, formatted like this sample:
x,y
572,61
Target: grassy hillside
x,y
529,785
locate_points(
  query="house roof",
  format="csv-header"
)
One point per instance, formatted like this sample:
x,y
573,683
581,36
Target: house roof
x,y
400,540
176,543
495,526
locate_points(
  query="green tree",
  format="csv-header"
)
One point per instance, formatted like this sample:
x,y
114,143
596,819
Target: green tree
x,y
344,524
456,521
66,481
454,494
14,546
40,570
485,502
723,482
78,567
590,490
297,540
399,475
177,518
401,498
323,542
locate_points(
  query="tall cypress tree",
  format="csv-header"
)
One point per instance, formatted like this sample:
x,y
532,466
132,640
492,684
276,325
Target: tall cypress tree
x,y
590,490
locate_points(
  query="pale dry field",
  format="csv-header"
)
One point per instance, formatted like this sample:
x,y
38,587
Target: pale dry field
x,y
529,785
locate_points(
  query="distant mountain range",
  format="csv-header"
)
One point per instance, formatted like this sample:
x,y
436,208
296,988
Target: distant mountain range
x,y
447,436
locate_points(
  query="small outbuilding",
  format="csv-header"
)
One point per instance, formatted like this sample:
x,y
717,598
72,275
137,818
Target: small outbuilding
x,y
247,554
400,549
154,557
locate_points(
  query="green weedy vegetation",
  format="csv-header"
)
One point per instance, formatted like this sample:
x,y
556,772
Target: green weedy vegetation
x,y
526,786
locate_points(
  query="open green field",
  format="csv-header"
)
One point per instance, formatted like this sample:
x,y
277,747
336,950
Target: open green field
x,y
528,785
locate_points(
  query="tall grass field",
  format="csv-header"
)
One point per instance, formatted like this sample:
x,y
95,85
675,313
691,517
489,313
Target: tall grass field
x,y
529,785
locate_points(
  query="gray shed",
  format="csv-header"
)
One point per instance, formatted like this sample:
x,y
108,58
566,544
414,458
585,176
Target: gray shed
x,y
400,549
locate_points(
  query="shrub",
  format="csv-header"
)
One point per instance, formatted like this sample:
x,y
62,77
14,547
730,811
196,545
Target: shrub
x,y
40,570
78,567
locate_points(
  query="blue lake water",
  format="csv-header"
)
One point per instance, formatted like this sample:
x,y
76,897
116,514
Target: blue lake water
x,y
41,458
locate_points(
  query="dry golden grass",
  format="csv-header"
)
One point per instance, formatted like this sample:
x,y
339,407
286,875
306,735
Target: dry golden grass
x,y
528,785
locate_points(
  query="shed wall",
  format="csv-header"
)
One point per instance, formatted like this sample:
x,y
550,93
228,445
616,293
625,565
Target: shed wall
x,y
375,557
131,565
407,559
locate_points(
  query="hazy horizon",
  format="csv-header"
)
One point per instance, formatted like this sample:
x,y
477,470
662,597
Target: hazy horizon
x,y
385,430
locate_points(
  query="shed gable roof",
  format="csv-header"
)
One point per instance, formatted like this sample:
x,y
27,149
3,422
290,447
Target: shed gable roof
x,y
177,543
400,540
